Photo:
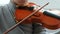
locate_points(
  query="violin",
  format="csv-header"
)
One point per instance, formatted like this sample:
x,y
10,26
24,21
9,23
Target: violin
x,y
27,15
39,17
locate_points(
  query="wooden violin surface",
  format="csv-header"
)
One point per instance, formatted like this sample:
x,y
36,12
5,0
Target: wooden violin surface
x,y
46,21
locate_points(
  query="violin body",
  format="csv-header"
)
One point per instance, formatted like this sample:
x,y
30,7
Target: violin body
x,y
39,17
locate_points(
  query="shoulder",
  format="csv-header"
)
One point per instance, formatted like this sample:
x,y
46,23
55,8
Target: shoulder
x,y
1,9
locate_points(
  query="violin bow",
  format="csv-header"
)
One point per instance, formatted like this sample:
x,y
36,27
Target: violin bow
x,y
13,27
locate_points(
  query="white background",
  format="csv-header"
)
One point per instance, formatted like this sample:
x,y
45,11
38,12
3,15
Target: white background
x,y
2,2
53,3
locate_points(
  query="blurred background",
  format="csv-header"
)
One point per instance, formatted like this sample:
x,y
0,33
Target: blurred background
x,y
53,4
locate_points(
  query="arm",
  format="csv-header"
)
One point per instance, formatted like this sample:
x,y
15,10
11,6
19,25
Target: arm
x,y
0,20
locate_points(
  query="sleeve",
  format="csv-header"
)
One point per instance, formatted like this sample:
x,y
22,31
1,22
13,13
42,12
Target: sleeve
x,y
0,19
0,32
0,10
